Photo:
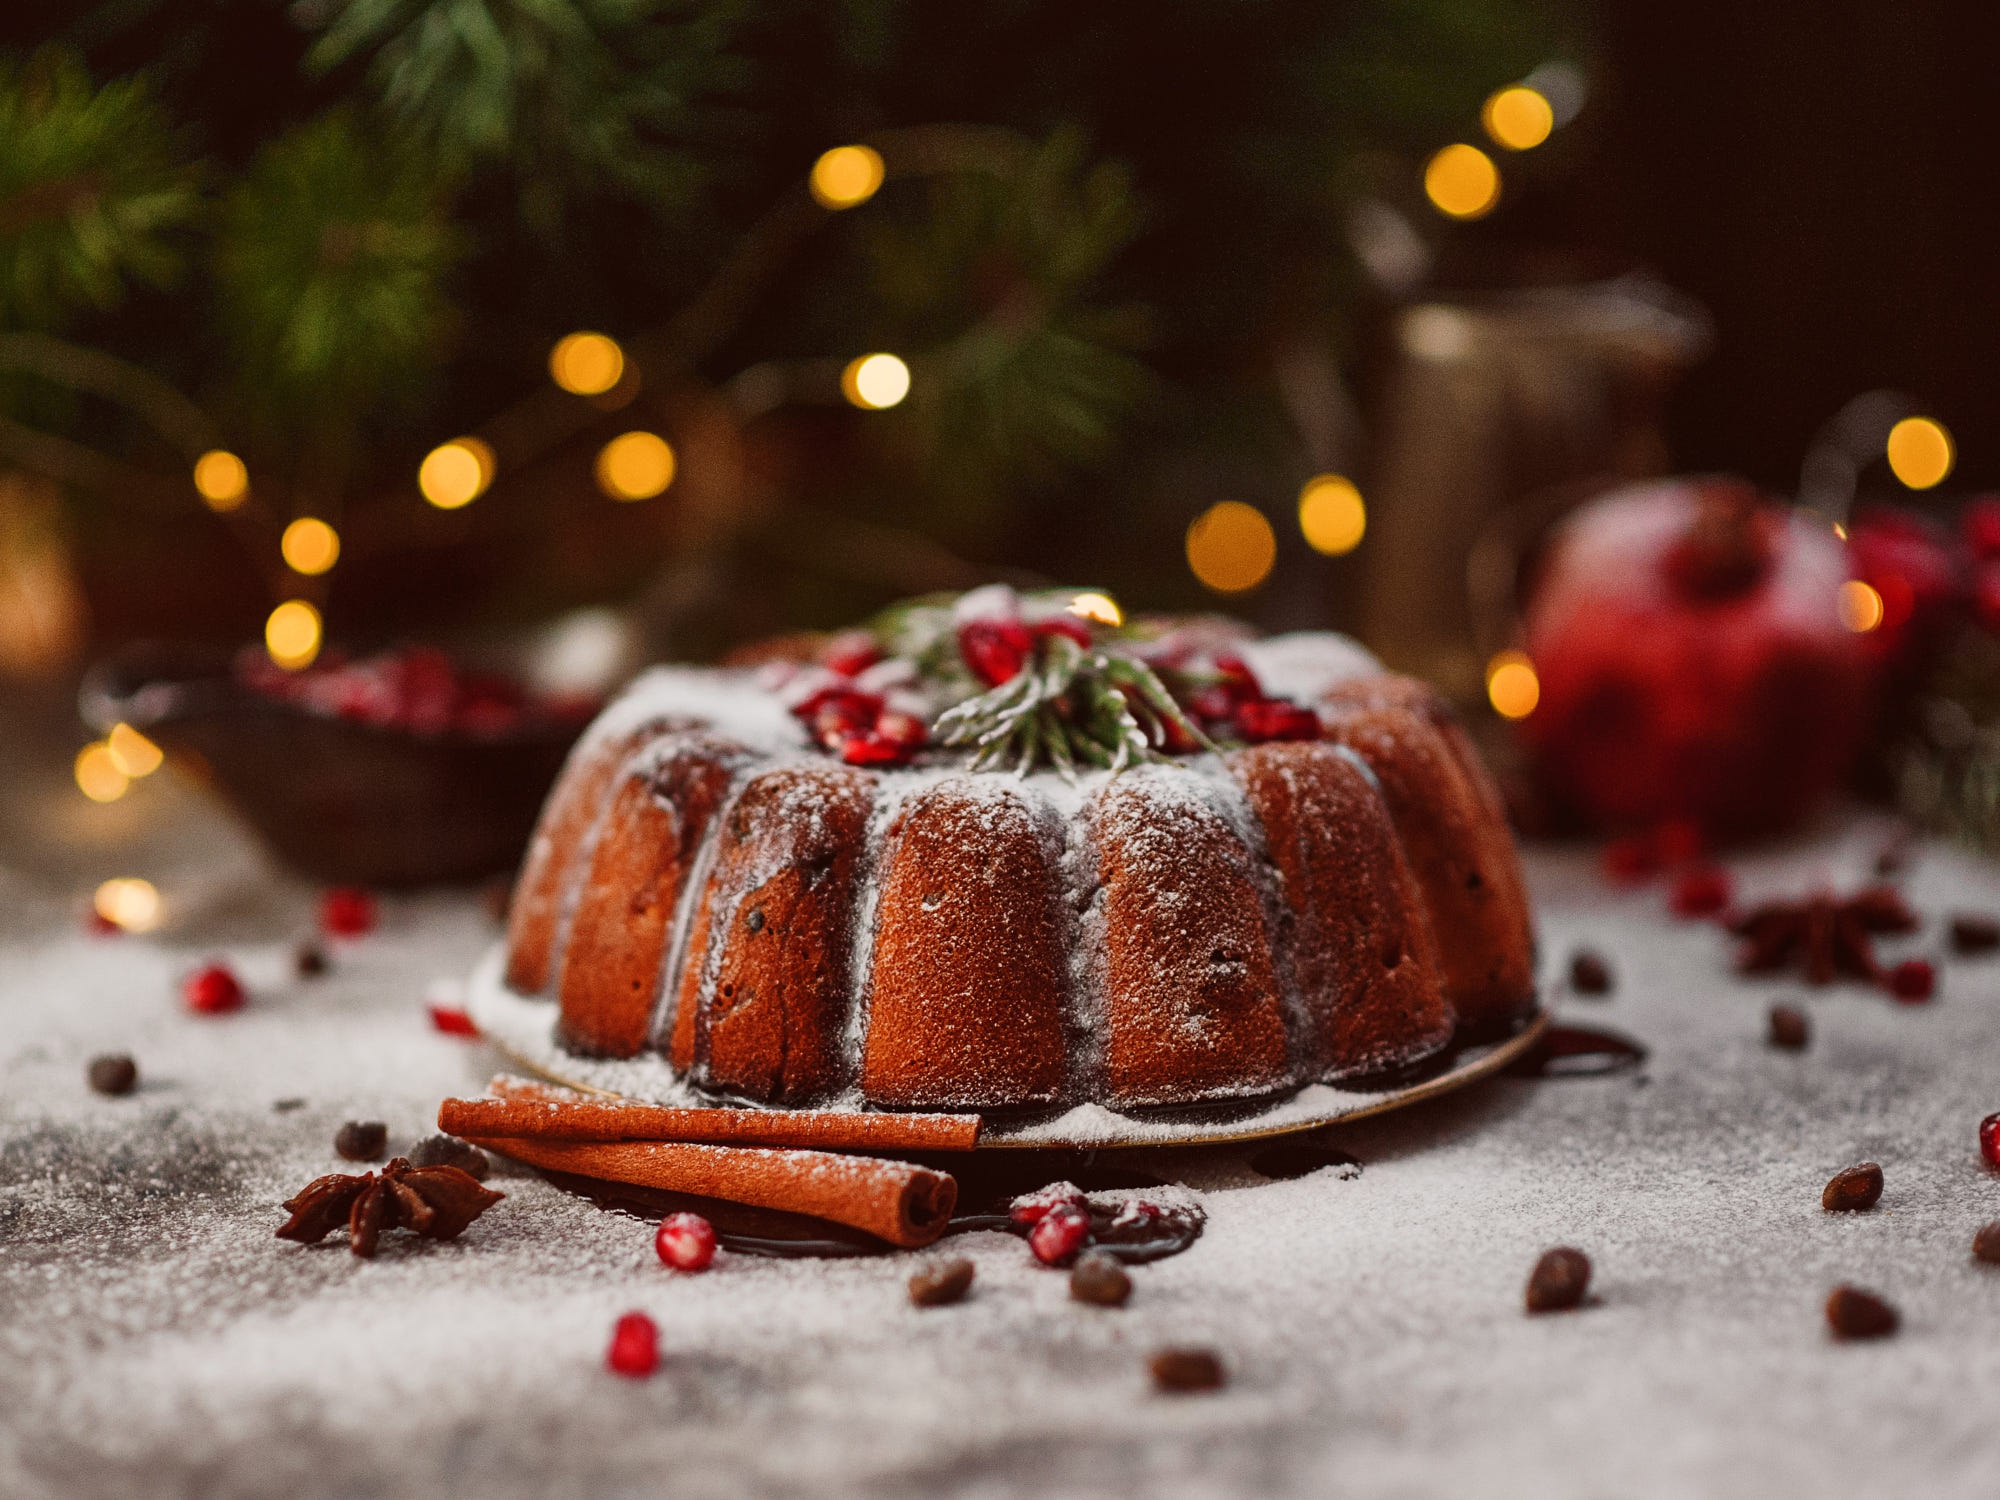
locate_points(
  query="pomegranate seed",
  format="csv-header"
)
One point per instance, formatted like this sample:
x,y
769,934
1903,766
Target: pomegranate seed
x,y
686,1242
1269,719
1700,892
1068,625
1989,1140
839,715
851,652
1629,860
902,729
212,991
1913,981
1237,678
872,749
1059,1235
995,650
452,1020
635,1347
1030,1208
347,911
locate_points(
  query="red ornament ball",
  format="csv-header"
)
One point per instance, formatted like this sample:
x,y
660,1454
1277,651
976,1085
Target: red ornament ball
x,y
1913,981
635,1347
686,1242
347,911
212,991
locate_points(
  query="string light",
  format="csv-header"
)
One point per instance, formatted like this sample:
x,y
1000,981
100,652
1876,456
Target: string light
x,y
846,177
1099,607
1511,685
310,546
586,364
1462,182
1920,452
1331,514
875,381
222,479
1518,117
132,752
292,634
97,774
1231,547
1860,606
456,473
635,466
128,903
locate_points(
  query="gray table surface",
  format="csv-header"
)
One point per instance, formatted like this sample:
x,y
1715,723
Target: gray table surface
x,y
156,1340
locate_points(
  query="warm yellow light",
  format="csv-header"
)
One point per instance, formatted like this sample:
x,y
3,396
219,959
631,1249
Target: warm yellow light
x,y
846,177
636,466
129,903
1462,181
456,473
1920,452
1331,514
132,752
1860,606
1099,607
875,381
292,634
1231,547
1518,117
586,364
221,478
97,773
310,546
1511,685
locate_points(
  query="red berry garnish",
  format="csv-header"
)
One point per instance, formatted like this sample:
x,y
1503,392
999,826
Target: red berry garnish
x,y
1913,981
1989,1140
841,715
1059,1235
452,1020
1268,719
1701,892
347,911
1234,675
850,652
212,991
995,650
1030,1208
872,749
685,1241
903,729
1064,624
635,1347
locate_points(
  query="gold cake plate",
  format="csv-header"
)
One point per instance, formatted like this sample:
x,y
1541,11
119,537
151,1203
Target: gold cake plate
x,y
524,1030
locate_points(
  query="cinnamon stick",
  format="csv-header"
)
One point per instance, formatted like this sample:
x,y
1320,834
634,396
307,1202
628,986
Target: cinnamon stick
x,y
904,1204
535,1111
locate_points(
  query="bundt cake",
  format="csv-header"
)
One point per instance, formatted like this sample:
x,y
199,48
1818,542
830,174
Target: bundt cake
x,y
1008,854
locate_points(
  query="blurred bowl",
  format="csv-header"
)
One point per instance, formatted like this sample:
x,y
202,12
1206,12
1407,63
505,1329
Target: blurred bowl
x,y
339,801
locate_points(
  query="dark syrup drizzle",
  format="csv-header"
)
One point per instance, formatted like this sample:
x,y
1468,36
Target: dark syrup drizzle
x,y
1578,1052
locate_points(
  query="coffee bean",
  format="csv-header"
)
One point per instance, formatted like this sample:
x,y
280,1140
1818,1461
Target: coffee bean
x,y
1854,1314
1974,932
941,1281
310,961
1186,1370
1853,1188
1986,1244
450,1151
1789,1028
1589,974
1559,1280
113,1073
286,1106
362,1140
1099,1279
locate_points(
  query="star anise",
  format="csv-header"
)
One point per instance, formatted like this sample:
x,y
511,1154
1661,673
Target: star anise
x,y
436,1202
1823,935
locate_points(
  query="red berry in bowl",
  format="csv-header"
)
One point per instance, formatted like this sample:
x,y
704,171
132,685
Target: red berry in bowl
x,y
1989,1140
1913,981
347,911
1701,892
1059,1235
635,1347
685,1241
212,991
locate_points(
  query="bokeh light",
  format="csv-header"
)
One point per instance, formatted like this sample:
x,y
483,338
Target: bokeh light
x,y
129,903
456,473
97,774
586,364
132,752
1860,606
1518,117
1920,452
635,466
1511,685
846,177
310,546
1462,182
1231,547
292,634
222,479
1331,514
875,381
1099,607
